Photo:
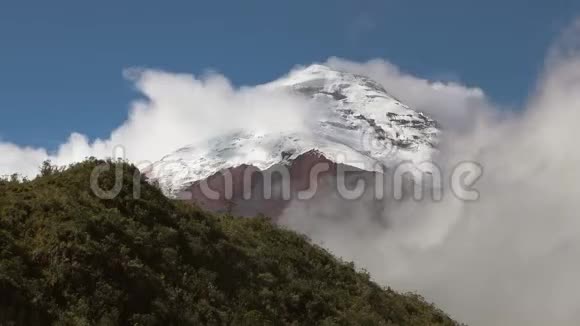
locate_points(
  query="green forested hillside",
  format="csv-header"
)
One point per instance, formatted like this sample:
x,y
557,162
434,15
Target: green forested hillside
x,y
69,258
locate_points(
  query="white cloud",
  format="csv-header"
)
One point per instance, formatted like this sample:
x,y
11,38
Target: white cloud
x,y
18,159
509,258
177,110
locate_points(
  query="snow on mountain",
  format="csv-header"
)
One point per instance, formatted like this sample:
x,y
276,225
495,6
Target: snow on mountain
x,y
356,122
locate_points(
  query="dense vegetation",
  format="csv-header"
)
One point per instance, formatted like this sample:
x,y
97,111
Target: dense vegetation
x,y
70,258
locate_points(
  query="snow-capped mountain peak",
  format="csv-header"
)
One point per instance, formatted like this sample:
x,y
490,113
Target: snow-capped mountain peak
x,y
357,123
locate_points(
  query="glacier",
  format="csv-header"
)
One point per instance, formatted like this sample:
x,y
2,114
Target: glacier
x,y
355,122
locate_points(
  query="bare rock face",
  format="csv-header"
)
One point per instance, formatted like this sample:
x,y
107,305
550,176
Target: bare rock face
x,y
248,191
356,124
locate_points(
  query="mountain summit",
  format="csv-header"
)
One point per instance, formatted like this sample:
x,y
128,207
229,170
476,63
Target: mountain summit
x,y
356,123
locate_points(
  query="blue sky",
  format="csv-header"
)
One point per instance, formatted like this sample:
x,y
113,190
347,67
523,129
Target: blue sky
x,y
61,62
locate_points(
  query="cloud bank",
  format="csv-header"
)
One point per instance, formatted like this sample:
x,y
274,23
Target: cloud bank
x,y
507,259
176,110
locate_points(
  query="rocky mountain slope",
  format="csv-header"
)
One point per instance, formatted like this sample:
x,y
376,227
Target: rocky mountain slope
x,y
355,123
